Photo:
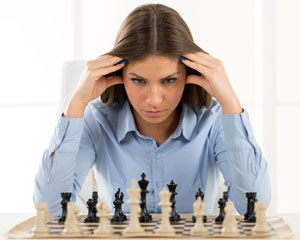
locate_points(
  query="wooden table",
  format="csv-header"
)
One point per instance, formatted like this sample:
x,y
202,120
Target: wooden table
x,y
9,220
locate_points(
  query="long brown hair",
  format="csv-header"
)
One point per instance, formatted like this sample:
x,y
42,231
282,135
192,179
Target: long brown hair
x,y
155,29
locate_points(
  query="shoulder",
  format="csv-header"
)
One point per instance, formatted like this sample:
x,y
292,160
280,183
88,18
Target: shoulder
x,y
107,116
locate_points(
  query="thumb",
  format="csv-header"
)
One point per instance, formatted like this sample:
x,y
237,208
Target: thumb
x,y
114,80
200,81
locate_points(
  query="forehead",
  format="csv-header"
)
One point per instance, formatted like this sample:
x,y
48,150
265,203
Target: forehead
x,y
154,65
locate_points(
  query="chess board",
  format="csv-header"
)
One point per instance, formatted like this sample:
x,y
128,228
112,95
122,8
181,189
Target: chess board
x,y
279,229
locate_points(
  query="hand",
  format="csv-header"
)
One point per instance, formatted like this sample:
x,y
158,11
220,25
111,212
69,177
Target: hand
x,y
214,79
92,82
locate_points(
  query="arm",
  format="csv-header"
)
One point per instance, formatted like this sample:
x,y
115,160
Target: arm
x,y
240,159
74,156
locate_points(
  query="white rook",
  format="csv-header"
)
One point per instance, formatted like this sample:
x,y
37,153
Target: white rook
x,y
261,226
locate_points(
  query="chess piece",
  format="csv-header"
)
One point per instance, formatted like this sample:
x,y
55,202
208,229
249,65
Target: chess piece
x,y
229,223
72,224
250,214
40,228
104,229
165,228
119,216
200,194
92,213
134,227
222,204
145,215
199,228
175,217
66,197
261,227
121,211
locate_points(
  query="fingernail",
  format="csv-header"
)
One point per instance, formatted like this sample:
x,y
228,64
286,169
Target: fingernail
x,y
183,58
124,61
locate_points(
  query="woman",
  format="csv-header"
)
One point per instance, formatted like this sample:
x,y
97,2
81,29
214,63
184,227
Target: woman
x,y
168,109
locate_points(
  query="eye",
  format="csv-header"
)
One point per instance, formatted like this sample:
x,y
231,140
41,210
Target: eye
x,y
137,81
170,80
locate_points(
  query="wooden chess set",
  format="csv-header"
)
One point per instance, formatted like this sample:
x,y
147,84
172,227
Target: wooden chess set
x,y
140,223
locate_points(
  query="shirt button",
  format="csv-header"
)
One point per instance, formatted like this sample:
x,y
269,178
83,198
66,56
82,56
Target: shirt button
x,y
62,126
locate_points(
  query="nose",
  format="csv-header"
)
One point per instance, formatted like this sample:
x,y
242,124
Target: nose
x,y
154,96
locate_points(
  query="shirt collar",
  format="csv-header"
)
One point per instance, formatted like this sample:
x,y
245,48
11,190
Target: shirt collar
x,y
186,126
187,123
126,122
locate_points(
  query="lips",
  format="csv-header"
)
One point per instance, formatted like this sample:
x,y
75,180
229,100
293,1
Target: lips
x,y
154,113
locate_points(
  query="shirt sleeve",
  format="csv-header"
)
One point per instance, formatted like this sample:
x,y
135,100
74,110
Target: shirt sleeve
x,y
74,156
240,160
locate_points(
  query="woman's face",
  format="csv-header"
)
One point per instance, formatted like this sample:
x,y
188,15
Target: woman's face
x,y
154,87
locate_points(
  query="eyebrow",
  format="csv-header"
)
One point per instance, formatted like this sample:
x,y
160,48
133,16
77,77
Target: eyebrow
x,y
171,75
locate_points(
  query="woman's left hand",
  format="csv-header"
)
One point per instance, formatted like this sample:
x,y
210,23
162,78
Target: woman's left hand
x,y
214,79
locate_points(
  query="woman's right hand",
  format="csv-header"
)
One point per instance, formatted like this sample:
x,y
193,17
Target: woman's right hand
x,y
92,82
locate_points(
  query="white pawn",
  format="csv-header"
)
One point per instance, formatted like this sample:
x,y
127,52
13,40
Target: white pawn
x,y
71,224
134,227
104,228
165,227
229,223
40,228
261,226
199,228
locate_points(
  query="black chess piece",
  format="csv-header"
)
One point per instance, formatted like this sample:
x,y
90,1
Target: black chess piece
x,y
121,211
145,216
225,196
118,215
175,217
222,204
250,214
66,197
200,194
95,199
92,213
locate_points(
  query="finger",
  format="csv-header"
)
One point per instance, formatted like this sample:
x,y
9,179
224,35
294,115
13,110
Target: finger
x,y
107,70
200,81
199,59
114,80
198,67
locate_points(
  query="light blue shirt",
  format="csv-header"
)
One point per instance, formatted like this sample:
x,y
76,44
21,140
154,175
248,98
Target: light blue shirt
x,y
204,144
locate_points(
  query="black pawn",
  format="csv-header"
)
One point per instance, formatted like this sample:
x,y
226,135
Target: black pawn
x,y
66,197
200,194
175,217
118,215
145,216
250,214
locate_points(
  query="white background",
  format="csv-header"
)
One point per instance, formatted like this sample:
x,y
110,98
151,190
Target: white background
x,y
258,42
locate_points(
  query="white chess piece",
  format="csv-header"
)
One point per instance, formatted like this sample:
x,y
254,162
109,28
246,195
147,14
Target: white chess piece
x,y
229,223
199,228
165,228
40,228
71,224
103,228
134,227
261,226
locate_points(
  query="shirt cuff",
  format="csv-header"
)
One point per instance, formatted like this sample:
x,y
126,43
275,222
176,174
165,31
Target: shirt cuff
x,y
237,129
